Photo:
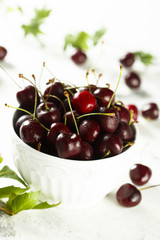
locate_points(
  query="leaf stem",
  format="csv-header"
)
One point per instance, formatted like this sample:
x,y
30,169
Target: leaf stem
x,y
7,211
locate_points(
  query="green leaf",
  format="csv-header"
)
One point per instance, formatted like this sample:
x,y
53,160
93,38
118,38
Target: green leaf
x,y
1,159
98,34
7,191
42,13
145,58
77,41
44,205
9,202
6,172
25,201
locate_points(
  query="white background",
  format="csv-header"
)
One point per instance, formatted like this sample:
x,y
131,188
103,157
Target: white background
x,y
131,26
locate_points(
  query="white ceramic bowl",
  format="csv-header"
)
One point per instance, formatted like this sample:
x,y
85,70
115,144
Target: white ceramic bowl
x,y
77,184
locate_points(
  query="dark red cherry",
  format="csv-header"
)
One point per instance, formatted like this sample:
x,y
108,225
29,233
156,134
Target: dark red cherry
x,y
133,80
128,195
150,111
124,114
89,130
20,121
135,111
103,96
140,174
115,144
31,132
55,130
86,152
125,132
55,89
3,52
48,116
26,97
84,102
109,123
70,121
68,145
100,145
79,57
128,60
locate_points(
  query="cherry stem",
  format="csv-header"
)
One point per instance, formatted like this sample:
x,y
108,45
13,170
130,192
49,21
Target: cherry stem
x,y
89,87
53,96
109,104
21,76
10,77
7,211
152,186
128,144
69,102
93,114
35,104
24,110
40,77
131,116
107,153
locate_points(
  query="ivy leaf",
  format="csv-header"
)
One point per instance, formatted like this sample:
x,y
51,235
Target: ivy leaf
x,y
35,23
44,205
1,159
7,191
77,41
25,201
145,58
6,172
98,34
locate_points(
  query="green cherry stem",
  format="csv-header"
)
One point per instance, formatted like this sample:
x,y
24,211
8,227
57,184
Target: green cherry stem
x,y
69,102
109,104
94,114
152,186
131,116
24,110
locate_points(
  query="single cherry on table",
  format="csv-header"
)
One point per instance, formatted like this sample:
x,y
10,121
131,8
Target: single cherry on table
x,y
3,52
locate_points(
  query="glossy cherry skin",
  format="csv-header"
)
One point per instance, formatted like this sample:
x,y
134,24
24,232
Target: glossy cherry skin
x,y
70,121
109,123
115,144
89,130
150,111
84,102
20,121
103,96
26,97
135,111
125,132
3,52
47,117
128,60
55,89
31,132
55,130
124,114
128,195
86,152
100,145
68,145
140,174
79,57
132,80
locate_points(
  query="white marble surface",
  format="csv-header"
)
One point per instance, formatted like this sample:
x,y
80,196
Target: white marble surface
x,y
129,28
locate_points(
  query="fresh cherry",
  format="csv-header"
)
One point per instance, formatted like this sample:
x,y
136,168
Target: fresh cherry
x,y
103,96
70,121
125,132
84,102
128,60
115,144
31,132
68,145
109,123
86,152
20,121
140,174
124,114
132,80
79,57
89,130
55,89
55,129
128,195
26,97
3,52
100,145
48,116
135,111
150,111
